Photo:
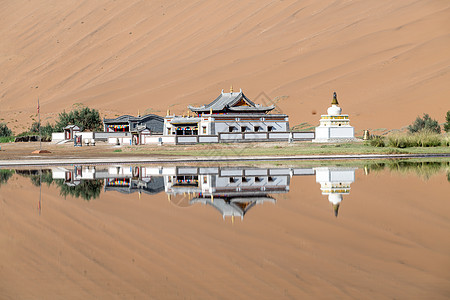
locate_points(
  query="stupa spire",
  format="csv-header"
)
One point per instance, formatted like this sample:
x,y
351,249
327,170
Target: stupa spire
x,y
336,209
335,101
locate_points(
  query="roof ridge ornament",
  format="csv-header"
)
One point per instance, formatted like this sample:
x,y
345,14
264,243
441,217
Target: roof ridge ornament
x,y
231,89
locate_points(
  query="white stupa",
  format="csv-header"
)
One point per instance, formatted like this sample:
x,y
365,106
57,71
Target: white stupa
x,y
335,182
334,126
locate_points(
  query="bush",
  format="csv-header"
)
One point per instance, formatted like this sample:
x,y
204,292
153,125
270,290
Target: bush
x,y
377,141
447,123
6,139
425,123
446,140
423,138
4,130
84,117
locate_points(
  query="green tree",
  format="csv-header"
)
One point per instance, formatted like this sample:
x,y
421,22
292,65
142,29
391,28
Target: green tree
x,y
4,130
447,123
425,123
84,117
46,130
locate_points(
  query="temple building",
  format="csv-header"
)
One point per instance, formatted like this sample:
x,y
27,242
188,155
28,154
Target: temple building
x,y
334,126
335,182
230,117
127,123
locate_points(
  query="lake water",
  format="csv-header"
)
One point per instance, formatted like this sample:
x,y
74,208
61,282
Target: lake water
x,y
369,231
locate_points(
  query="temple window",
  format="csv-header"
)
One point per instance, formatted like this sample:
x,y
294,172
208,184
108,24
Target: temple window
x,y
257,128
244,128
231,129
204,129
269,128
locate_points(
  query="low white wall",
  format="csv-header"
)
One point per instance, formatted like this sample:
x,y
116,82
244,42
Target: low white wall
x,y
279,135
182,139
208,139
255,136
230,136
86,135
57,136
122,140
303,135
156,139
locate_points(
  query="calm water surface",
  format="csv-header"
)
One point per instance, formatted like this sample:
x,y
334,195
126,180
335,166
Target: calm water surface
x,y
379,230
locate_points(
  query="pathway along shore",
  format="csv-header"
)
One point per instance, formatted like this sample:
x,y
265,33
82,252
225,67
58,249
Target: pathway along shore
x,y
42,161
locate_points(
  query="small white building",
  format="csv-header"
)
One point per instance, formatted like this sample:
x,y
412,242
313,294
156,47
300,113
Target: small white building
x,y
334,126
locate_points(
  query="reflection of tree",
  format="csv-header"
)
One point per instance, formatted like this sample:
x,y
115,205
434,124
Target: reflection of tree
x,y
87,189
423,169
5,175
46,178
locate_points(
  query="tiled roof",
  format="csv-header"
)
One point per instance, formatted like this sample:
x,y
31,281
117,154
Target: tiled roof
x,y
226,101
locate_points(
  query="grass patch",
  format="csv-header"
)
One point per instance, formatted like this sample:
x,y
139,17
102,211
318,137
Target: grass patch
x,y
276,149
117,150
6,139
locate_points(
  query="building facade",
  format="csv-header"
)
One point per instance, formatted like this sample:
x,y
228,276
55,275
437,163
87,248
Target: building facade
x,y
231,116
127,123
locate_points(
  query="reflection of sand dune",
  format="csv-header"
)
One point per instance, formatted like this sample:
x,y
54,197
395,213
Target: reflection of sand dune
x,y
124,56
391,241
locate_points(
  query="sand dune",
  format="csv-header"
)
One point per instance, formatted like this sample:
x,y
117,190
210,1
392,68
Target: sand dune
x,y
387,60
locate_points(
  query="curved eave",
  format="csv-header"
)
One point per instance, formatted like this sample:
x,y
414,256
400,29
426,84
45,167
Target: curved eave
x,y
251,109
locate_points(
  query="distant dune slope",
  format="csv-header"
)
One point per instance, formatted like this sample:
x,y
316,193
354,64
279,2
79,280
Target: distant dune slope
x,y
388,61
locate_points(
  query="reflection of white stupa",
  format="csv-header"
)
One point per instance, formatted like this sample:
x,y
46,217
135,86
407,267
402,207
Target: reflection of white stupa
x,y
334,126
335,182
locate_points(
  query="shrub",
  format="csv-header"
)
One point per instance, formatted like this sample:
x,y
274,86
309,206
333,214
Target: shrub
x,y
4,130
445,140
447,123
425,123
6,139
423,138
84,117
398,141
377,141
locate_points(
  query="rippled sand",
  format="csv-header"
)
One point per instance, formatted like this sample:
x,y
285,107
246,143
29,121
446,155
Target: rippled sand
x,y
387,60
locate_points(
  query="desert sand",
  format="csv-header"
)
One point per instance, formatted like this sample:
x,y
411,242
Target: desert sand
x,y
387,60
390,241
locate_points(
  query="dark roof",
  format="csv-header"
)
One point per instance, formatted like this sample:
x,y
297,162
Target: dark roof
x,y
128,118
234,206
226,101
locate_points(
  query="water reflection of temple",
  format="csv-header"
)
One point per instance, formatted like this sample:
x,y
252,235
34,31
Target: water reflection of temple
x,y
335,182
232,191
